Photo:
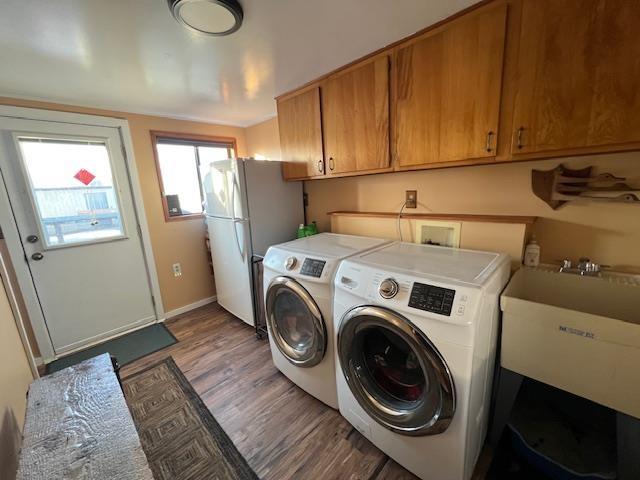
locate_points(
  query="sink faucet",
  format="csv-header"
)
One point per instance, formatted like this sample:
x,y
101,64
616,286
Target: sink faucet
x,y
585,267
565,266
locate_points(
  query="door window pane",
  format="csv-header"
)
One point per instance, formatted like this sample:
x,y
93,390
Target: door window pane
x,y
73,190
182,165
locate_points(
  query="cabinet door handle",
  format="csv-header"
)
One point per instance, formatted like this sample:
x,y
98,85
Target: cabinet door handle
x,y
332,163
487,146
320,166
519,143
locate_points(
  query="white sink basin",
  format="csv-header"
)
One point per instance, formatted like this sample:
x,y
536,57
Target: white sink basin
x,y
606,297
580,334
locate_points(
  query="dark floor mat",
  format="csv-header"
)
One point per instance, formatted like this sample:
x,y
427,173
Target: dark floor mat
x,y
126,349
182,439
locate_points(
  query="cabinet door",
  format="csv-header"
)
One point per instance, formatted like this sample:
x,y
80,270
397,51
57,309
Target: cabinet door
x,y
578,75
447,91
355,118
301,135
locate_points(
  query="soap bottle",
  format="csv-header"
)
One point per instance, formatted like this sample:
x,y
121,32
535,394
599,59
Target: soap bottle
x,y
301,231
312,229
532,253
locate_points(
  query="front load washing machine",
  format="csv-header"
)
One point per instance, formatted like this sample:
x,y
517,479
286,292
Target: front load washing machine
x,y
416,338
298,286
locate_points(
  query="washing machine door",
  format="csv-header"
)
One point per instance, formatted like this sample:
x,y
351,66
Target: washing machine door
x,y
395,373
295,322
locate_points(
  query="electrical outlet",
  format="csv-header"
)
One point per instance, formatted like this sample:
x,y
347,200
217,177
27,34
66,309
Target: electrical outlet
x,y
177,270
411,199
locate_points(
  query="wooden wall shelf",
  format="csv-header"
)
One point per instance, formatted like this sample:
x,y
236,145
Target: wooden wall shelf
x,y
440,216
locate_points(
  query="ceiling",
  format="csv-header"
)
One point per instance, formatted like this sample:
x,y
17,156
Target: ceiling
x,y
131,55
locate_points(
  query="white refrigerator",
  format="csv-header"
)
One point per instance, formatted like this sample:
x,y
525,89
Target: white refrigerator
x,y
248,207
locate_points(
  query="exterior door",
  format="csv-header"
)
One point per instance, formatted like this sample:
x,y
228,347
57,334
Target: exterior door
x,y
72,202
295,322
394,372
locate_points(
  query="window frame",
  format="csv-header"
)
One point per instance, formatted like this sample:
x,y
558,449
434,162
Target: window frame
x,y
187,139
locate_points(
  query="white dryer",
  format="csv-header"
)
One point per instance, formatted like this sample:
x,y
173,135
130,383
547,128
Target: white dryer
x,y
298,286
416,338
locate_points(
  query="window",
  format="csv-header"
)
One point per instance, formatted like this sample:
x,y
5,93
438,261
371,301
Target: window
x,y
72,188
182,161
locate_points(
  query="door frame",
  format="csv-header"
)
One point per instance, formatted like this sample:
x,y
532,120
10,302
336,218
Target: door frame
x,y
14,243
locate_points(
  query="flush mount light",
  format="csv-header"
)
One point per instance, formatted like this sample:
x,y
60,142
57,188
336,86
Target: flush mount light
x,y
211,17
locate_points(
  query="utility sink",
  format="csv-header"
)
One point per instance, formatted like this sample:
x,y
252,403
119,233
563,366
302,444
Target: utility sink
x,y
577,333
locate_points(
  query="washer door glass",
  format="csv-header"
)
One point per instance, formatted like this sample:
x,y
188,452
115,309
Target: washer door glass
x,y
295,322
395,373
392,365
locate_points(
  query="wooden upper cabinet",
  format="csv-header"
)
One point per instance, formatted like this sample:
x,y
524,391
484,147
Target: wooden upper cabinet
x,y
578,82
301,135
355,118
571,86
447,88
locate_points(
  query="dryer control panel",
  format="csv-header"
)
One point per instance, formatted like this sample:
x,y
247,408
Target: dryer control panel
x,y
312,267
316,269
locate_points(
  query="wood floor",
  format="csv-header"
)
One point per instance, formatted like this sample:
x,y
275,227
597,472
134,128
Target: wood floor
x,y
283,432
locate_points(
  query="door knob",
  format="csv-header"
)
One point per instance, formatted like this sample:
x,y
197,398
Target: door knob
x,y
37,256
32,238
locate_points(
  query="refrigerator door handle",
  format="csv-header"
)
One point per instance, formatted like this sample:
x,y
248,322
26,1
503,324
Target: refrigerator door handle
x,y
233,198
235,233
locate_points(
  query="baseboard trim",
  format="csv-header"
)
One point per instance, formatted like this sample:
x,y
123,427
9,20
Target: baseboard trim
x,y
187,308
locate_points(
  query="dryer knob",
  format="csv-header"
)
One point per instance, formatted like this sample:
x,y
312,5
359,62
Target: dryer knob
x,y
290,263
388,288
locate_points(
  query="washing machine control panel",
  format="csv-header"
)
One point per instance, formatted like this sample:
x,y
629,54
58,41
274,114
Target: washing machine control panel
x,y
432,299
421,298
312,267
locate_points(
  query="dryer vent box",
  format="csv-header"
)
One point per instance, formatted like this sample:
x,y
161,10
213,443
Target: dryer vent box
x,y
436,232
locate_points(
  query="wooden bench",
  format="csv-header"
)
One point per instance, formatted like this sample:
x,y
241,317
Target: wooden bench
x,y
78,426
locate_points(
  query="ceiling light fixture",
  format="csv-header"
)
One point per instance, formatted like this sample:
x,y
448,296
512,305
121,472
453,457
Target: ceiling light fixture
x,y
210,17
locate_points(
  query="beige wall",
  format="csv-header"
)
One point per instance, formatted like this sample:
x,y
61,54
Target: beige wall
x,y
13,281
608,233
178,241
15,377
263,140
